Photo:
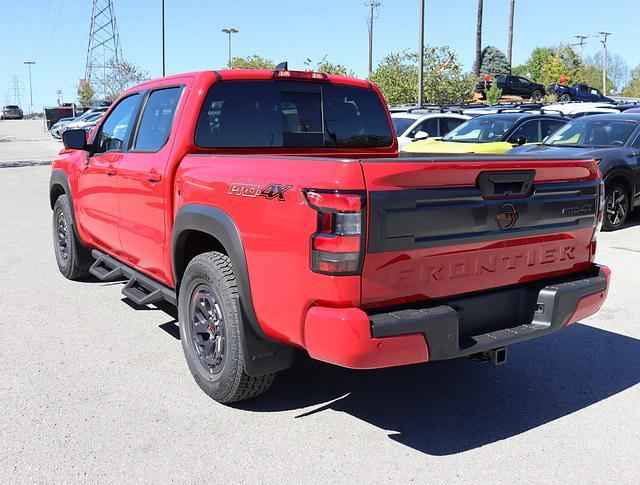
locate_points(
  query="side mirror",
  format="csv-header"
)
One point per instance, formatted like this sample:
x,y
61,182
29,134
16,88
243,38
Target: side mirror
x,y
421,135
520,140
75,139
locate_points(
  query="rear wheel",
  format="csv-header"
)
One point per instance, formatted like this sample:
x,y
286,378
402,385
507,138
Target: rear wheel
x,y
536,95
617,206
565,98
210,320
72,257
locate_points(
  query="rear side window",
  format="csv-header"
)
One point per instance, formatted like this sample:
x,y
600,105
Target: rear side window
x,y
429,126
155,124
448,124
291,114
550,126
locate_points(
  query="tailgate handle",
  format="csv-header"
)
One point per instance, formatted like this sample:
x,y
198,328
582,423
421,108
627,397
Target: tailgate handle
x,y
497,185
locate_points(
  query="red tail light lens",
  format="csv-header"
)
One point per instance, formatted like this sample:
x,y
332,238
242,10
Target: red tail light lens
x,y
337,244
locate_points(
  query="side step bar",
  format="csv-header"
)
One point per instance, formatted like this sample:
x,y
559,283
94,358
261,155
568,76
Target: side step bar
x,y
140,289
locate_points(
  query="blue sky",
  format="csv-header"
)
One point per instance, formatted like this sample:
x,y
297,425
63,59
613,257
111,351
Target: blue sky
x,y
54,33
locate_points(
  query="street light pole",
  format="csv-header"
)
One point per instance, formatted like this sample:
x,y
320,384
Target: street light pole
x,y
230,31
29,63
421,56
604,61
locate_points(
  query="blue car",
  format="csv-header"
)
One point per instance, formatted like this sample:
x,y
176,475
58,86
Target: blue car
x,y
614,141
577,92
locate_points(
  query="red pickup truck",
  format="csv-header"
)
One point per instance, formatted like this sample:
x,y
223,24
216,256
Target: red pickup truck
x,y
271,207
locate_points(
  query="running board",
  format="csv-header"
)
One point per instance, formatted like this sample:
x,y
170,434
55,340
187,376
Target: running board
x,y
140,289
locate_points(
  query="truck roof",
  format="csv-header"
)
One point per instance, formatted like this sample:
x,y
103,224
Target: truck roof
x,y
252,74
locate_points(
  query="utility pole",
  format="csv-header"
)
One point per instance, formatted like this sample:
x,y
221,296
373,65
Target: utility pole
x,y
604,61
373,6
163,56
512,7
30,63
476,68
230,31
420,57
581,39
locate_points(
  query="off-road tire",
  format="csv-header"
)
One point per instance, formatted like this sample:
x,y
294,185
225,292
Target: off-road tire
x,y
213,271
72,257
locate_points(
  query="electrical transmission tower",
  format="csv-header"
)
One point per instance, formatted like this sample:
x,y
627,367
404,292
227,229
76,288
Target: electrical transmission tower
x,y
104,52
16,91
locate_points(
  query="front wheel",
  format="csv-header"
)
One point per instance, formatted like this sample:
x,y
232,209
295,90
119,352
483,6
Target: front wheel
x,y
565,98
210,320
536,95
72,257
617,206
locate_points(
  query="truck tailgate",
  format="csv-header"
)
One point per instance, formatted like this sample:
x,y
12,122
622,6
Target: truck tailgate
x,y
443,227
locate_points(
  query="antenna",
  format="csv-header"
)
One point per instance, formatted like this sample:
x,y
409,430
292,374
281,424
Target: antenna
x,y
103,52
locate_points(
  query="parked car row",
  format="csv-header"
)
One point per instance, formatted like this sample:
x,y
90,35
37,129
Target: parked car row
x,y
87,121
606,132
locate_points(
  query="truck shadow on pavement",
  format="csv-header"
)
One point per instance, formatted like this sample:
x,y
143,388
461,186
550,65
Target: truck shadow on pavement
x,y
445,408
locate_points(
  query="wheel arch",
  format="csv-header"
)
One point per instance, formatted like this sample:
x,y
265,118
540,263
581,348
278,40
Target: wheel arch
x,y
59,185
221,233
623,175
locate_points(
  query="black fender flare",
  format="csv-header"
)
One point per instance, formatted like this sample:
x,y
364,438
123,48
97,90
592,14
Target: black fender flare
x,y
262,355
59,179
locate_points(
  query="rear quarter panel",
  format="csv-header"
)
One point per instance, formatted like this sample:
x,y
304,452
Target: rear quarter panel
x,y
275,233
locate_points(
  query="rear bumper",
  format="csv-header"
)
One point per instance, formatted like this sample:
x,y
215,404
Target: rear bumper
x,y
459,327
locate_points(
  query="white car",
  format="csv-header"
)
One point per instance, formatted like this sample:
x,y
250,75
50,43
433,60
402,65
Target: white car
x,y
86,123
420,124
576,110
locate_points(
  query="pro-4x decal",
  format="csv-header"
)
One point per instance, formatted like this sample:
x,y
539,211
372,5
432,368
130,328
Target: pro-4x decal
x,y
271,191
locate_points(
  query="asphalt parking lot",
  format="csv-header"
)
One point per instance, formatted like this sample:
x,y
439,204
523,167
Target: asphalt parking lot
x,y
95,390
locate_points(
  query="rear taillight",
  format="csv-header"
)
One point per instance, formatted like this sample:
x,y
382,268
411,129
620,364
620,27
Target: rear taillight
x,y
337,245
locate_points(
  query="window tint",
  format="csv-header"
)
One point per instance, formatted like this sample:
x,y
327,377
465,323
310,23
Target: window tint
x,y
528,130
400,124
480,130
117,125
156,120
594,133
291,114
502,79
549,126
524,80
448,124
429,126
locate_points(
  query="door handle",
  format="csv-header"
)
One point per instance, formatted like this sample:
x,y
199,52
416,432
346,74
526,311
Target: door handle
x,y
154,177
110,170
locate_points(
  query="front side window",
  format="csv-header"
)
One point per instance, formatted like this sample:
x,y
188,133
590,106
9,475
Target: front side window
x,y
482,129
291,114
587,132
401,124
157,117
550,126
117,125
429,126
448,124
527,130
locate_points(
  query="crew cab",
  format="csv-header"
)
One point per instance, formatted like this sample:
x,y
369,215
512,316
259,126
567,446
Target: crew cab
x,y
513,86
577,92
271,207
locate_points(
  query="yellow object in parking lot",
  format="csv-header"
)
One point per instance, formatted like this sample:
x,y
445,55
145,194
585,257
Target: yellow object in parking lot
x,y
448,147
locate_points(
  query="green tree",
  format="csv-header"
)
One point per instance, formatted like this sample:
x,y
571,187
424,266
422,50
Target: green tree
x,y
494,61
323,65
252,62
617,70
122,75
632,89
533,67
85,92
551,71
444,80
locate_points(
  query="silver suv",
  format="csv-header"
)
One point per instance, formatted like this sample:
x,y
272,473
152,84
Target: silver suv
x,y
11,112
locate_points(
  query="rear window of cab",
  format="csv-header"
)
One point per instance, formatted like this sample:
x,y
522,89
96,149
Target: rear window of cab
x,y
291,114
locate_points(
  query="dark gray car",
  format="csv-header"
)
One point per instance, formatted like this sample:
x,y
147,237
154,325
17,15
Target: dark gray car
x,y
11,112
614,141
